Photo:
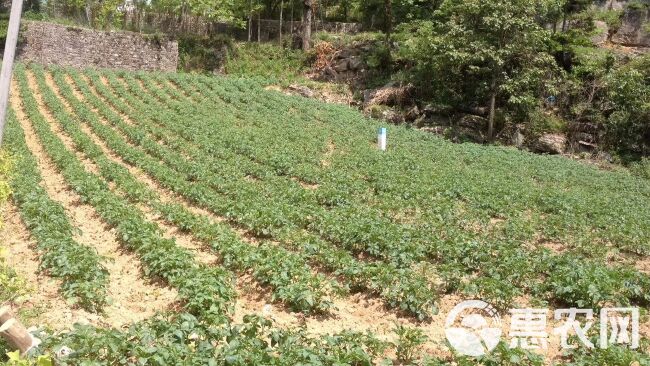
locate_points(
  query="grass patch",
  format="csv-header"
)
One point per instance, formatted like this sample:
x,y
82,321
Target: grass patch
x,y
268,61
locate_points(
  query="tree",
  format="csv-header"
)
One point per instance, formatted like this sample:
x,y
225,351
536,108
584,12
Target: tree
x,y
308,10
480,51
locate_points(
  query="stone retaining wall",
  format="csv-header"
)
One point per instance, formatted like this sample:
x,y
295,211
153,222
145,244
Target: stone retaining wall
x,y
48,43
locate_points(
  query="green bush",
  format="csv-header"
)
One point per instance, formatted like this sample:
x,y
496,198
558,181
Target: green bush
x,y
613,19
638,5
266,60
541,122
641,168
204,54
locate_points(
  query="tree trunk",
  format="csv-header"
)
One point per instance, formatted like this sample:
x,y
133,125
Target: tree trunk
x,y
250,20
493,102
281,20
306,24
259,28
388,12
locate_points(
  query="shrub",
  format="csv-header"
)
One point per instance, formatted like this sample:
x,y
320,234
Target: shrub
x,y
204,54
266,60
641,168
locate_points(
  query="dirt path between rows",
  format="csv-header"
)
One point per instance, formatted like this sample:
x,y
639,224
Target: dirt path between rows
x,y
168,231
132,298
358,312
44,304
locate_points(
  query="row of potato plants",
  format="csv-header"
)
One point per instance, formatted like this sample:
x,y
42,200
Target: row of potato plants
x,y
517,270
565,213
401,288
406,288
395,243
84,280
290,278
286,273
564,286
203,289
504,284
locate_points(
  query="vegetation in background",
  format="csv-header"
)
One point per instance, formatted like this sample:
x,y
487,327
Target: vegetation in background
x,y
475,52
267,61
641,168
201,54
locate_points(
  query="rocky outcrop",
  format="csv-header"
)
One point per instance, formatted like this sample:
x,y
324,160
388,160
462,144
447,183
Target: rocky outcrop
x,y
342,64
301,90
551,143
392,94
635,28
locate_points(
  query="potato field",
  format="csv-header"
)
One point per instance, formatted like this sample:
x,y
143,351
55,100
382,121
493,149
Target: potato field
x,y
184,219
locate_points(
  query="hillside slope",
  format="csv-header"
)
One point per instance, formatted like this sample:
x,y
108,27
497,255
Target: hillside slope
x,y
215,198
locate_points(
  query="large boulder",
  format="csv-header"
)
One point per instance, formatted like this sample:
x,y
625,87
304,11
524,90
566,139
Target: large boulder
x,y
518,139
473,122
347,53
355,63
386,113
341,65
551,143
601,34
393,116
633,31
412,114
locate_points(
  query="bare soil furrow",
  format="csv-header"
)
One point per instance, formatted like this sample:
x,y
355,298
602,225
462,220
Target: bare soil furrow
x,y
133,298
169,232
358,312
44,303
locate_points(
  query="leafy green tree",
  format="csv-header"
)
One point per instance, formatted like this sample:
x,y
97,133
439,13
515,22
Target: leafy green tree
x,y
377,15
221,10
482,52
612,94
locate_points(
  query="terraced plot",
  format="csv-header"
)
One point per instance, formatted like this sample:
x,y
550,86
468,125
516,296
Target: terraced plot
x,y
207,200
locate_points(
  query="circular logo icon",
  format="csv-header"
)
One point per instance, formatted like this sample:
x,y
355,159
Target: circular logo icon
x,y
473,328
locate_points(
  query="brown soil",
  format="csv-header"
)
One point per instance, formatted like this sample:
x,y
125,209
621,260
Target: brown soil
x,y
133,299
169,232
183,239
643,265
47,308
357,312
